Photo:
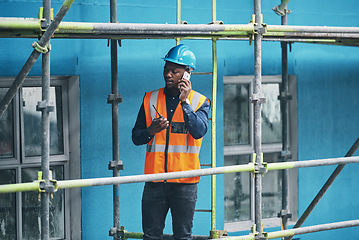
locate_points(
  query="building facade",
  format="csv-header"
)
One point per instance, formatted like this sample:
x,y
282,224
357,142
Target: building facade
x,y
323,83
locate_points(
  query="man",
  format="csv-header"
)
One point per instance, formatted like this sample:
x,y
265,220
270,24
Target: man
x,y
171,121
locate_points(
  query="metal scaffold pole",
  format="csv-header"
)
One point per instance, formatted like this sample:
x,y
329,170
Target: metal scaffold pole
x,y
311,229
250,167
178,18
298,231
214,113
284,103
45,108
30,27
114,98
257,100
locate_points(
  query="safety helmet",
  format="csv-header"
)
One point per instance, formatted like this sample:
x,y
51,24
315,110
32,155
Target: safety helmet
x,y
182,55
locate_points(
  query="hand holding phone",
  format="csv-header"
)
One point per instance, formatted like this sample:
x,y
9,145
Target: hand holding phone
x,y
185,81
184,86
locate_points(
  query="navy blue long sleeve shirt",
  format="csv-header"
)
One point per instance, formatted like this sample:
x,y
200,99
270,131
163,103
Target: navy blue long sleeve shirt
x,y
196,121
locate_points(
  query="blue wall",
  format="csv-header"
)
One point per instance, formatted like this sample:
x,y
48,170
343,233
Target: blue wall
x,y
327,111
328,87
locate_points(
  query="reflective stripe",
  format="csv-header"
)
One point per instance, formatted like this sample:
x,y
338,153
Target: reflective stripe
x,y
156,148
173,149
195,101
153,101
183,149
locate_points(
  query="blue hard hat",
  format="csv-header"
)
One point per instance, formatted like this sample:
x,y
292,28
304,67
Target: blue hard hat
x,y
182,55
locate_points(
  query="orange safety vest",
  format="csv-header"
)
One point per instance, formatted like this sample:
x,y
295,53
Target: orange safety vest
x,y
175,150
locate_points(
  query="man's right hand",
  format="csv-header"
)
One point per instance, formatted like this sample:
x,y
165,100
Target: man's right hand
x,y
157,125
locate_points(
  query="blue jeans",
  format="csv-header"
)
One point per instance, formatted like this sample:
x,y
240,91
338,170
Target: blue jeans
x,y
158,198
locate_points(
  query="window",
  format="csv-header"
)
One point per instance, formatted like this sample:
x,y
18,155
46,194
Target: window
x,y
20,158
238,149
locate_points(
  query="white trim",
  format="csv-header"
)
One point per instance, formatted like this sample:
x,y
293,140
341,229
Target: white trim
x,y
246,225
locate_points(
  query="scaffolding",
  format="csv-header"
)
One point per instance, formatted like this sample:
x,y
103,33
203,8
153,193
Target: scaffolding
x,y
256,31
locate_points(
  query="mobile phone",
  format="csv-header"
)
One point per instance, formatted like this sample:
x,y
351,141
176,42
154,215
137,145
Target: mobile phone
x,y
157,111
186,75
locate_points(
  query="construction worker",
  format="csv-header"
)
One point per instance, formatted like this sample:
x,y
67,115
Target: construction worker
x,y
171,121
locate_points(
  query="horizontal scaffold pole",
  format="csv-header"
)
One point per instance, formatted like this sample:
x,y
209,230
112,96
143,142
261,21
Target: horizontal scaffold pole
x,y
139,235
30,27
312,163
311,229
250,167
311,29
127,179
297,231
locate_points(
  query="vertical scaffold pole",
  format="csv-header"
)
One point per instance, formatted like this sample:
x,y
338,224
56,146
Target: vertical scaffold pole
x,y
214,111
178,18
45,130
256,100
114,98
286,155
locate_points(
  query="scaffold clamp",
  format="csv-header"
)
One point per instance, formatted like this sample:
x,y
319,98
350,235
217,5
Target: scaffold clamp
x,y
115,165
51,186
118,233
257,237
260,168
284,213
256,234
215,234
285,96
44,22
257,98
219,22
41,14
113,232
43,105
253,231
46,186
117,40
286,155
41,49
114,98
121,233
281,12
258,28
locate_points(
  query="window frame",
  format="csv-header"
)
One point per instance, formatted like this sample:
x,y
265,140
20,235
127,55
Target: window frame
x,y
267,148
55,81
70,159
16,158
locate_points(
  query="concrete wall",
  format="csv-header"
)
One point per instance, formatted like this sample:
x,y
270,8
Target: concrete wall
x,y
327,98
